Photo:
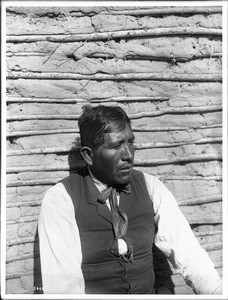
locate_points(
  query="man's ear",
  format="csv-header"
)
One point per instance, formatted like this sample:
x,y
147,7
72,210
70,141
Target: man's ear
x,y
87,154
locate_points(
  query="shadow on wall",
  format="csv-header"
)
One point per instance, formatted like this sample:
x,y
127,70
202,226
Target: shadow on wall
x,y
38,286
163,280
75,160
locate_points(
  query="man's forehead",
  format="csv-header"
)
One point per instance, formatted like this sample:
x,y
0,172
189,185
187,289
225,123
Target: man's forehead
x,y
119,134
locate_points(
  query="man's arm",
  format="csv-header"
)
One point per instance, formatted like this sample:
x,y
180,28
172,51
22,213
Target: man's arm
x,y
176,240
60,247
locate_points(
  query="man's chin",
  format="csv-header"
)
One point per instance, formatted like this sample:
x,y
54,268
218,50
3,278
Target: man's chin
x,y
125,178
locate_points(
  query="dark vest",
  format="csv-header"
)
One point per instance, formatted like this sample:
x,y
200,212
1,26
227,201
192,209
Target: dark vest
x,y
104,271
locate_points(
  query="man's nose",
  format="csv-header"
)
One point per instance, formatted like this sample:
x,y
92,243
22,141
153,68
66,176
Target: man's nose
x,y
128,153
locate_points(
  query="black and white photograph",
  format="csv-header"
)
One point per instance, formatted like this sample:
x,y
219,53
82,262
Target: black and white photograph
x,y
114,150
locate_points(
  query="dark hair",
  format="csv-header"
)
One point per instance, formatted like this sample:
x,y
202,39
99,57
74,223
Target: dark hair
x,y
96,121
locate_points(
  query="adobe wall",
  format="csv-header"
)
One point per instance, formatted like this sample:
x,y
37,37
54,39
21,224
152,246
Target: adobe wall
x,y
162,65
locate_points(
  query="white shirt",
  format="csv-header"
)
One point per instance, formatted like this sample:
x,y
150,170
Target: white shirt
x,y
60,246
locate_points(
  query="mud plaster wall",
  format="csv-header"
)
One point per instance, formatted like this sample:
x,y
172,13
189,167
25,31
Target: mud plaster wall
x,y
161,65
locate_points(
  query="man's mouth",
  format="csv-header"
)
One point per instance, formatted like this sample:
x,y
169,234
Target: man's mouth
x,y
126,168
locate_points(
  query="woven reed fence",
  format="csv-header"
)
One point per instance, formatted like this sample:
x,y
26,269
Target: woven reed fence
x,y
161,64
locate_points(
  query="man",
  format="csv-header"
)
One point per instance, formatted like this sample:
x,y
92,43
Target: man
x,y
97,227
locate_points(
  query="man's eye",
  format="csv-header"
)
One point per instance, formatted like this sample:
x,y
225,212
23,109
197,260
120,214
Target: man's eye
x,y
116,146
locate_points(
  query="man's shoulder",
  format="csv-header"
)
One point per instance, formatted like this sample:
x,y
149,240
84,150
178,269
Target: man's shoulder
x,y
143,174
74,176
60,186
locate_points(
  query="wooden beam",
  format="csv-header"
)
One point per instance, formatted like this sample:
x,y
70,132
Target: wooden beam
x,y
20,241
138,146
163,11
23,204
25,219
188,202
35,182
23,257
152,162
201,200
179,160
135,56
207,247
205,220
73,101
121,34
183,178
31,239
177,128
191,77
44,100
131,99
145,114
41,132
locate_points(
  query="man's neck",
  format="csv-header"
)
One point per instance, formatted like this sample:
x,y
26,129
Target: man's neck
x,y
100,185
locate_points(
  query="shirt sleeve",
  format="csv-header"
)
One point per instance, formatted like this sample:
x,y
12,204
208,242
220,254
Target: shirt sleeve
x,y
60,247
176,240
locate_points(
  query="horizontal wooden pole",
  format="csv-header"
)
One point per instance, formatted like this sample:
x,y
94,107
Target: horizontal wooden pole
x,y
212,246
44,100
23,257
73,101
179,110
183,178
124,34
26,219
131,99
152,162
19,275
154,57
41,132
76,130
188,202
206,77
206,246
21,54
205,220
40,151
135,129
146,114
38,169
19,241
201,200
137,145
207,233
135,56
176,128
23,204
31,239
35,182
180,160
164,11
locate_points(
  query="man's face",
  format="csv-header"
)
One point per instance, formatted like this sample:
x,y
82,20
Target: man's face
x,y
112,162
